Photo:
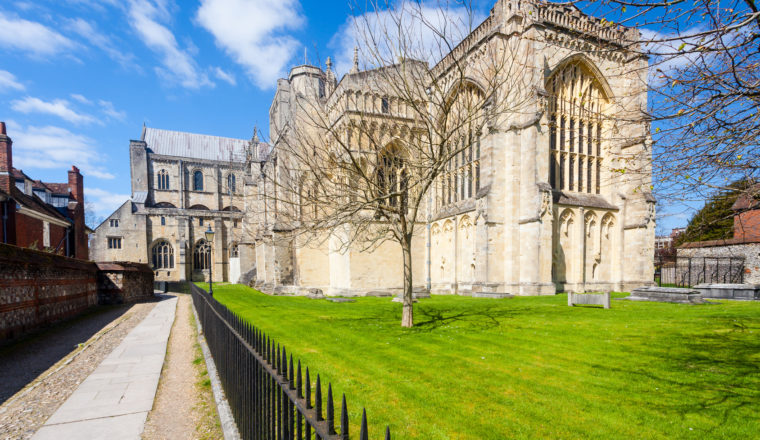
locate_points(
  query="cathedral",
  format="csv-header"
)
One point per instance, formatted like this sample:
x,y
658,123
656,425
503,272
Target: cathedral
x,y
549,198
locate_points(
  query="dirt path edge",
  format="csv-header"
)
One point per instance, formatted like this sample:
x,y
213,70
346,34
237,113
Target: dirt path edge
x,y
229,427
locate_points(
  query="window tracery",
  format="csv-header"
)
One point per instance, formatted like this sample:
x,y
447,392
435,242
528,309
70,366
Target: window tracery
x,y
162,179
576,106
163,255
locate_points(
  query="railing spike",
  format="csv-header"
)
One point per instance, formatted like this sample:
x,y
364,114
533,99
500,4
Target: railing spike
x,y
318,399
387,432
291,375
330,410
344,419
308,389
363,434
284,364
299,382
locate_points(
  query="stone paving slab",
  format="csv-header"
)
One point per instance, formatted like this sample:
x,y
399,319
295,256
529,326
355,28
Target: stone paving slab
x,y
114,401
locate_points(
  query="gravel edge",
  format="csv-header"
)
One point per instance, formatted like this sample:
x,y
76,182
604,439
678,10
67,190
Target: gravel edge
x,y
229,427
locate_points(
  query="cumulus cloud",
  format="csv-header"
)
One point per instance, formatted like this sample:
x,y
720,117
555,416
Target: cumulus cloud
x,y
89,32
8,82
253,33
58,107
56,147
427,31
104,202
225,76
109,110
31,37
177,64
80,99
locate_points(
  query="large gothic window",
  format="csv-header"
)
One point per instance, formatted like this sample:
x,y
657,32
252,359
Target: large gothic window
x,y
162,179
198,180
392,178
576,105
163,255
202,255
460,178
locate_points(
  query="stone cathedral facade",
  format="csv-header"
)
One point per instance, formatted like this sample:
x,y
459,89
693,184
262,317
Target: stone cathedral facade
x,y
555,197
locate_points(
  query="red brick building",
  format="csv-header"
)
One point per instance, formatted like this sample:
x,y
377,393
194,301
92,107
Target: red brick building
x,y
747,215
35,214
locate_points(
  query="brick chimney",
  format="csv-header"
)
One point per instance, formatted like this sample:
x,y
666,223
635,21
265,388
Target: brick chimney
x,y
6,160
76,184
76,188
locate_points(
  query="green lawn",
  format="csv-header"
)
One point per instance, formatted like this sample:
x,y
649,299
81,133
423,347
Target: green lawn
x,y
527,367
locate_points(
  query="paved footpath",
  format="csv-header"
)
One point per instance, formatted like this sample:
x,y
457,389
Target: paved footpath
x,y
114,401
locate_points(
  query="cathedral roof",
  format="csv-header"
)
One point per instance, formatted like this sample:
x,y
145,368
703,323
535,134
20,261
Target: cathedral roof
x,y
195,146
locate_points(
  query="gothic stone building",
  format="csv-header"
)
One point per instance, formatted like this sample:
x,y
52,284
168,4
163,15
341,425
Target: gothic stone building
x,y
182,184
539,203
556,197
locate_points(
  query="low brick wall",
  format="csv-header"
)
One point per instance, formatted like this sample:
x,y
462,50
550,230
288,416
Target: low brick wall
x,y
39,288
124,282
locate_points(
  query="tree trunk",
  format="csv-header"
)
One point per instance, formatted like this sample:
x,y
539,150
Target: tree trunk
x,y
407,314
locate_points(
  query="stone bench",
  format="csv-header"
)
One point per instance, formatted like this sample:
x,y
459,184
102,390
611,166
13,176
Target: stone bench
x,y
597,299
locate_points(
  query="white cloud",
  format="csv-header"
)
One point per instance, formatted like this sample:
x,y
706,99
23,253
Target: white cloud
x,y
8,81
668,53
89,32
225,76
32,37
58,107
104,202
252,33
110,111
426,31
178,65
56,147
80,99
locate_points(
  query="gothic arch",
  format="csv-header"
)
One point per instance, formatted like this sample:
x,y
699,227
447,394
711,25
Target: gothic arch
x,y
577,101
584,61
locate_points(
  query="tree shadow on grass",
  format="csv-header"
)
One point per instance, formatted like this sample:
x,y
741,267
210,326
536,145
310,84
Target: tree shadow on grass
x,y
428,319
716,374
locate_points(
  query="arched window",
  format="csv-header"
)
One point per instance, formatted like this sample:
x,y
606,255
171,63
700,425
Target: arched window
x,y
463,118
197,180
164,205
162,179
231,183
163,255
576,105
202,255
234,251
392,178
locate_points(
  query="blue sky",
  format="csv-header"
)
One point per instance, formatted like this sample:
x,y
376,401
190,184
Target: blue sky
x,y
78,78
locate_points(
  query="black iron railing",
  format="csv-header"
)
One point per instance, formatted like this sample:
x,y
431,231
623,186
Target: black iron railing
x,y
269,397
690,271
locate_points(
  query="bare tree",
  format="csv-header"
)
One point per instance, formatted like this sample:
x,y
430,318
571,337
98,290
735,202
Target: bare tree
x,y
704,90
364,164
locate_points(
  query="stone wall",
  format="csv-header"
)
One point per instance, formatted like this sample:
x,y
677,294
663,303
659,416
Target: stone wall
x,y
124,282
39,288
728,248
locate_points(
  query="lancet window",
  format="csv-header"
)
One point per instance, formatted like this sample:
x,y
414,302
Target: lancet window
x,y
576,105
162,179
